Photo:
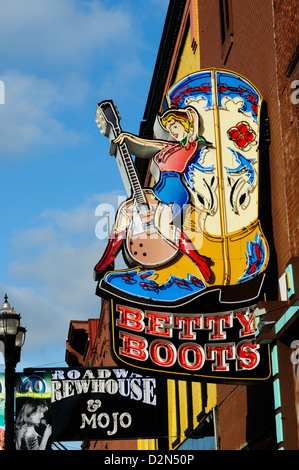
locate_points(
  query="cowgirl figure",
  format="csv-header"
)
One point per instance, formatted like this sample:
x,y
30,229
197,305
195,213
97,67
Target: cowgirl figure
x,y
172,159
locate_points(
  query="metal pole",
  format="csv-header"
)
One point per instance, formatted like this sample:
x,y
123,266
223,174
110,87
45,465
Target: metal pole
x,y
9,350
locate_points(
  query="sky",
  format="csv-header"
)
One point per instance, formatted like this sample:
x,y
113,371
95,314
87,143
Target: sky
x,y
58,59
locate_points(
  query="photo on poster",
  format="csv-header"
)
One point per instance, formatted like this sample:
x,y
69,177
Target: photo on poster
x,y
33,412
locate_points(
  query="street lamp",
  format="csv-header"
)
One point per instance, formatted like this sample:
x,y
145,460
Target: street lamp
x,y
12,334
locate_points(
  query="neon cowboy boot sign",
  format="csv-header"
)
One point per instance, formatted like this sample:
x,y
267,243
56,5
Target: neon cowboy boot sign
x,y
192,240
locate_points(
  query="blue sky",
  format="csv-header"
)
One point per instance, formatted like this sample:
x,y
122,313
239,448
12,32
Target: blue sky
x,y
58,59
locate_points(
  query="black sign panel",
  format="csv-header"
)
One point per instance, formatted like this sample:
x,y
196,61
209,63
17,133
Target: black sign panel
x,y
107,403
212,347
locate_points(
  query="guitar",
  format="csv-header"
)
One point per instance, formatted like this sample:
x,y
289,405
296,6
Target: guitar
x,y
144,242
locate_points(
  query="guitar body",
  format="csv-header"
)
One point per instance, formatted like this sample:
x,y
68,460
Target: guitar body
x,y
145,244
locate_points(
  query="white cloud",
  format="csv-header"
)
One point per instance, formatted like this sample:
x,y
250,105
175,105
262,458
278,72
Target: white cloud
x,y
53,274
62,32
27,118
55,55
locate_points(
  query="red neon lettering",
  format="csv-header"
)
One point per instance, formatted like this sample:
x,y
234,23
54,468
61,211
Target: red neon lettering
x,y
157,325
184,356
130,318
133,346
247,321
217,323
187,324
247,355
219,354
163,353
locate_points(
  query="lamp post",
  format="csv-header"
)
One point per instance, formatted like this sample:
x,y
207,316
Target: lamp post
x,y
12,334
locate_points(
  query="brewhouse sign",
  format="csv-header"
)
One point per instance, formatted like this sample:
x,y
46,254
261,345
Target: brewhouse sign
x,y
192,240
99,403
106,403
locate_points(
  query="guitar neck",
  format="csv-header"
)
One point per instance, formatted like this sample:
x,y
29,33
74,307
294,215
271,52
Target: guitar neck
x,y
136,187
107,115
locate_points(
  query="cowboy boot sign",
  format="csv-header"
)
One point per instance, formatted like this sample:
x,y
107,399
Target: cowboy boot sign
x,y
192,240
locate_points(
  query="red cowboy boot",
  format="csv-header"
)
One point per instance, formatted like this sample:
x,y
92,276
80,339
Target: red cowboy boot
x,y
188,249
110,252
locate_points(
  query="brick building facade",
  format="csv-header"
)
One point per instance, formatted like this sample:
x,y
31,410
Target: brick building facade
x,y
259,42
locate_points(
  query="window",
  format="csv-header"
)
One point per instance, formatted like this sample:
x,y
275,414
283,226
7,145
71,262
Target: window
x,y
226,27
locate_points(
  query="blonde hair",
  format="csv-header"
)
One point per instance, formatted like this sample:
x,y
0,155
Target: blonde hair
x,y
30,406
177,117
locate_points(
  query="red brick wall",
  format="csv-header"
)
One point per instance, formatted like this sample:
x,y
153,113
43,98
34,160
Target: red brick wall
x,y
286,20
232,423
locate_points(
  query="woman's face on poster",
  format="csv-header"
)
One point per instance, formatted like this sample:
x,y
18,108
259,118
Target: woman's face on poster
x,y
37,416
